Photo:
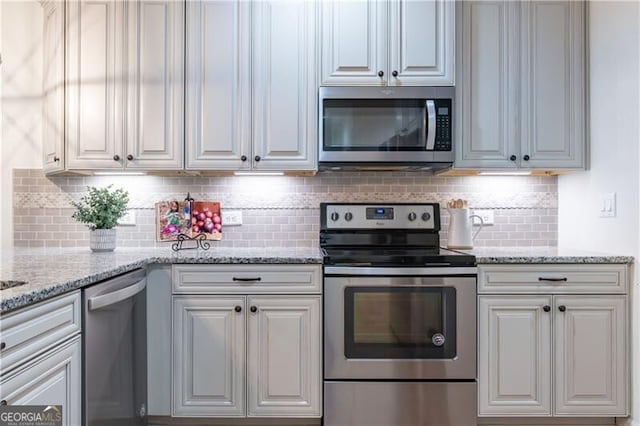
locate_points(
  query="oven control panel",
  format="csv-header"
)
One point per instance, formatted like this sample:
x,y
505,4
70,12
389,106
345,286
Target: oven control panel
x,y
380,216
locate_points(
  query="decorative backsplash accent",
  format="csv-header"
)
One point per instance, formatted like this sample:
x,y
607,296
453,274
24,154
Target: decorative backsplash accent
x,y
283,211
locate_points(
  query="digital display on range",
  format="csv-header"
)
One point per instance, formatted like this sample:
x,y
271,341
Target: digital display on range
x,y
377,213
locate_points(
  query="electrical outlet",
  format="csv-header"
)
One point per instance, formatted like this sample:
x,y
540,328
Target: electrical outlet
x,y
232,218
486,215
129,219
608,205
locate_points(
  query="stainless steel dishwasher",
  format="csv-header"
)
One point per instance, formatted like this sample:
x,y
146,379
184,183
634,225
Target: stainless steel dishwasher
x,y
115,351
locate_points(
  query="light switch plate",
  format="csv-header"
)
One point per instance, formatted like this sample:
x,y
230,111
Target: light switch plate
x,y
486,215
231,217
608,205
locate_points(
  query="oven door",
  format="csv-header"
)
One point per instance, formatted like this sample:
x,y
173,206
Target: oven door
x,y
392,326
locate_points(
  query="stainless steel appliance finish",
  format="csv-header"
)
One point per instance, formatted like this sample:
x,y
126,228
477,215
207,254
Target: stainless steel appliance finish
x,y
399,318
386,128
399,404
462,365
115,351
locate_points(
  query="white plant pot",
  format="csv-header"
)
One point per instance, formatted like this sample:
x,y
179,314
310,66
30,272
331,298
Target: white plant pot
x,y
102,240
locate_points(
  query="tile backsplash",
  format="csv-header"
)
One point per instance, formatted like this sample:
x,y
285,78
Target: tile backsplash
x,y
283,211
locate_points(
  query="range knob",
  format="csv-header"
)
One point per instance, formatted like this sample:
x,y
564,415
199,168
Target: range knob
x,y
348,216
412,216
335,216
426,216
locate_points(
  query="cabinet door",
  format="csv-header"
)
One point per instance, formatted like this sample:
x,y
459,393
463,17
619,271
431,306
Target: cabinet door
x,y
284,85
591,355
155,113
218,112
284,357
53,87
95,84
421,41
51,379
514,356
208,356
486,102
354,39
553,84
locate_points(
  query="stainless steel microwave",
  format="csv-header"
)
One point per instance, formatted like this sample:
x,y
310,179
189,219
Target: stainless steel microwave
x,y
386,128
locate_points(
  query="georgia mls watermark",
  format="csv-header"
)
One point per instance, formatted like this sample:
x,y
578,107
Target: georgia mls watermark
x,y
31,415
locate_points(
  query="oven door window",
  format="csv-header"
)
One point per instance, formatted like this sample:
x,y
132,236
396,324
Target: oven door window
x,y
400,322
374,125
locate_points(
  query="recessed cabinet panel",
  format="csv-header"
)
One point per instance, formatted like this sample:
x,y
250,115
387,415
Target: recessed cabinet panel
x,y
156,85
514,376
485,97
590,353
218,85
94,84
284,356
51,379
553,83
284,85
53,87
353,42
209,347
421,40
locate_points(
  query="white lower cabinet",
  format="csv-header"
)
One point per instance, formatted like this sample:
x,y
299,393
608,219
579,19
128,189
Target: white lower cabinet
x,y
514,359
208,356
255,356
53,378
552,354
283,357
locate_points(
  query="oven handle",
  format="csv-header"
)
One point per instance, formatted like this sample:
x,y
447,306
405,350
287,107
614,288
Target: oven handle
x,y
360,271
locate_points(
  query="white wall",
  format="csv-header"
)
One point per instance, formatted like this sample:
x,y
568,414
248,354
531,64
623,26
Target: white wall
x,y
614,39
20,97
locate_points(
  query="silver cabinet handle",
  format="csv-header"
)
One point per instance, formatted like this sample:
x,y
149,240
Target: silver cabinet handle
x,y
108,299
430,108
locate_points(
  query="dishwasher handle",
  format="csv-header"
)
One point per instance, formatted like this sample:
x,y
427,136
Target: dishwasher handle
x,y
98,302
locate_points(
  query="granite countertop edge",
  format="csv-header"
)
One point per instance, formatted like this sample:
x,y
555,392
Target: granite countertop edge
x,y
26,298
481,260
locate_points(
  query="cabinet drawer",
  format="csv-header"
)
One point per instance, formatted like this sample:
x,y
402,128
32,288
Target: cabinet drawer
x,y
562,278
256,279
30,331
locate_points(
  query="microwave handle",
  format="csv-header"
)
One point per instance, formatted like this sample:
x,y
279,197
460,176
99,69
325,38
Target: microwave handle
x,y
429,125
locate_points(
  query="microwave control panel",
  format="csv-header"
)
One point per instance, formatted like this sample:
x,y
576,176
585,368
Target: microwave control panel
x,y
443,125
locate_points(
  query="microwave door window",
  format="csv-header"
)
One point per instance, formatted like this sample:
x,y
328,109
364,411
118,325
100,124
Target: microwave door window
x,y
373,125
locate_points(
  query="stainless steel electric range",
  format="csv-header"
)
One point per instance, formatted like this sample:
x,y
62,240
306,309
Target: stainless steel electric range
x,y
399,318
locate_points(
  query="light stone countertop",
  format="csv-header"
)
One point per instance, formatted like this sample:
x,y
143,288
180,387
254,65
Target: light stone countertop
x,y
496,255
50,272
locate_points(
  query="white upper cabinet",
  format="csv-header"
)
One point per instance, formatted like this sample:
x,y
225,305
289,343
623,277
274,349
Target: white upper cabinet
x,y
485,85
124,85
251,85
95,84
553,84
284,85
218,102
404,42
155,114
53,87
521,85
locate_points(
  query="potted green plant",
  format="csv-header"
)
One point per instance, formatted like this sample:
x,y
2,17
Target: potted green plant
x,y
100,209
